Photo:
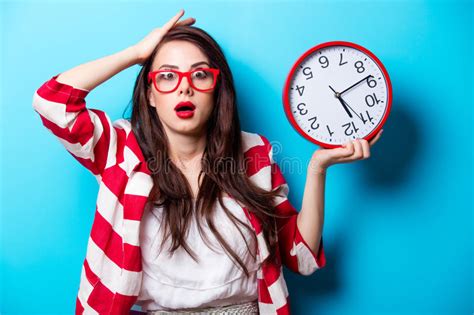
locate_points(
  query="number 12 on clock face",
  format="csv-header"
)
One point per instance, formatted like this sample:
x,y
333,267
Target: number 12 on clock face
x,y
336,92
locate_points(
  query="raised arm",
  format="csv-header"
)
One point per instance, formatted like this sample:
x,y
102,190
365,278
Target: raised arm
x,y
91,74
88,134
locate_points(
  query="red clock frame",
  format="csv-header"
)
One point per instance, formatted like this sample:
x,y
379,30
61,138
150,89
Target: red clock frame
x,y
286,100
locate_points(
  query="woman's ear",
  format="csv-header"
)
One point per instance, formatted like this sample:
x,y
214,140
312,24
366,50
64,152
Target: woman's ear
x,y
150,99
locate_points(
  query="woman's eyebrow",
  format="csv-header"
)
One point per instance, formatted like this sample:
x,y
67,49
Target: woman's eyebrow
x,y
192,66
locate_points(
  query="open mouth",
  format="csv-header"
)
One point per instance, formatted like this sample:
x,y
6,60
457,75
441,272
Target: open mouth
x,y
185,108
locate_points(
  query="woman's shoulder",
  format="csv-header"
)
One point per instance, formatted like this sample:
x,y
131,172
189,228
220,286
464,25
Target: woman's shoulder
x,y
253,139
124,124
257,151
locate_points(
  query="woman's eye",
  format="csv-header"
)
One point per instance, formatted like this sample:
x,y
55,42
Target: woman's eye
x,y
200,74
167,75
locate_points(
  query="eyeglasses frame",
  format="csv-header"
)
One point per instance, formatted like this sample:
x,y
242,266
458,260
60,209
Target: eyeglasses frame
x,y
187,74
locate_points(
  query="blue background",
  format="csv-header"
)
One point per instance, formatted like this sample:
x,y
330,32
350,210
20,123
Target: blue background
x,y
398,226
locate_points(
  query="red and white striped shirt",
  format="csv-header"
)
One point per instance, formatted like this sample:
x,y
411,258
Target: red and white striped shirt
x,y
111,275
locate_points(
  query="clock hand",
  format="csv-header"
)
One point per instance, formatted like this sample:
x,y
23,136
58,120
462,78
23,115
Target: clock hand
x,y
333,90
343,105
355,84
351,108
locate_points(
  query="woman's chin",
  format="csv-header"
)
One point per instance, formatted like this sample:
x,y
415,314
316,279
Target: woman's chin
x,y
189,128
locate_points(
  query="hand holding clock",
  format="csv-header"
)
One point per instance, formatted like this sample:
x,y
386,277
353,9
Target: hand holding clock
x,y
307,107
354,150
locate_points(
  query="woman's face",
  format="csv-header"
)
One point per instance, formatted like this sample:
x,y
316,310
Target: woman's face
x,y
181,55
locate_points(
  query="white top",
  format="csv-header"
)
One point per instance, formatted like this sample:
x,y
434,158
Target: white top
x,y
180,282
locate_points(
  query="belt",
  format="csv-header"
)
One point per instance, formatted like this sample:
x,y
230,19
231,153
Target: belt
x,y
242,308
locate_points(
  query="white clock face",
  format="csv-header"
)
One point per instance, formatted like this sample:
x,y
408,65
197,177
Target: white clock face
x,y
336,94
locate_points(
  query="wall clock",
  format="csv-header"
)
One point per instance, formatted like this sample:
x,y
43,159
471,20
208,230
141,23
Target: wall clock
x,y
336,92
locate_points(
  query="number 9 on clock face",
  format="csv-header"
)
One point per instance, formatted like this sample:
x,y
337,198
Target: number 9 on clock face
x,y
336,92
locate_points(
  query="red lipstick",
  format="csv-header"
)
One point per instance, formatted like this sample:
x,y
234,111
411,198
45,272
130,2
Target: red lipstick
x,y
185,109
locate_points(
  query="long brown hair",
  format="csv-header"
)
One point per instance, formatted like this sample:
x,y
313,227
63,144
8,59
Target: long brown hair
x,y
223,162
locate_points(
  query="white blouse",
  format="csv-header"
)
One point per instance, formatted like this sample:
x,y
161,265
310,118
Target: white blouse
x,y
180,282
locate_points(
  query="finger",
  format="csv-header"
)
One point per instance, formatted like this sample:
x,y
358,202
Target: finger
x,y
357,150
187,21
376,138
344,154
347,149
173,20
365,148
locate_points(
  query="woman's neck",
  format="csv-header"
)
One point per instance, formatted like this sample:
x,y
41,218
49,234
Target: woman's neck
x,y
186,149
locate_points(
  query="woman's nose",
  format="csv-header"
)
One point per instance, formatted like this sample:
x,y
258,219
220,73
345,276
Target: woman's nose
x,y
185,86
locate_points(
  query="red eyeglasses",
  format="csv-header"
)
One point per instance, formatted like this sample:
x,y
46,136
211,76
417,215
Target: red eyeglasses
x,y
167,81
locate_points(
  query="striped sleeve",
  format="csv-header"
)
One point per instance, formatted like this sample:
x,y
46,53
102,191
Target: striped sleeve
x,y
87,134
295,253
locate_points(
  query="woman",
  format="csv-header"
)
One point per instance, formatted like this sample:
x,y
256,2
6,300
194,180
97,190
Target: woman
x,y
181,175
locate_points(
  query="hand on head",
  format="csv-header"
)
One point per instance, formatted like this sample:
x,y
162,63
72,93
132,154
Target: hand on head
x,y
145,47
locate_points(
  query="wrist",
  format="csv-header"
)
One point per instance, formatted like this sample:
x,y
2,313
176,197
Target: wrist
x,y
317,168
319,171
133,55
